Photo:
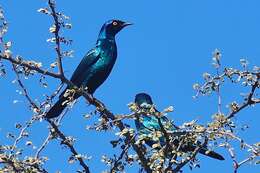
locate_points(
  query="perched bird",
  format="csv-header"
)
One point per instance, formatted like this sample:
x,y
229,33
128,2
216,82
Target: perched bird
x,y
147,124
95,66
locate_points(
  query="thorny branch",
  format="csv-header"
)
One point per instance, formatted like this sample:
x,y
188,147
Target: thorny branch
x,y
32,104
194,153
16,166
44,144
66,141
173,158
24,63
249,100
117,162
54,126
57,37
25,93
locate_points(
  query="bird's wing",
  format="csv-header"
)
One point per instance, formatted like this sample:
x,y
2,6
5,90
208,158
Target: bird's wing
x,y
173,129
150,123
144,124
88,60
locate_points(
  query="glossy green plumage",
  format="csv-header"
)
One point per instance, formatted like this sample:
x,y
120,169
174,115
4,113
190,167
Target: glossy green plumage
x,y
95,66
147,125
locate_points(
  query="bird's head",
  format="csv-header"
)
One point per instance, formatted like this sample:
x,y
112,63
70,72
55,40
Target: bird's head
x,y
143,100
111,28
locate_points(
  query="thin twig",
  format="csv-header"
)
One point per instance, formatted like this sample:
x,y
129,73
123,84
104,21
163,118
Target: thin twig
x,y
44,144
49,137
249,101
69,145
218,89
194,153
117,161
22,132
33,105
25,93
52,96
57,37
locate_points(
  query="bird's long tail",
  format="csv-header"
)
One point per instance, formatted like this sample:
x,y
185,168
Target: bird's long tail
x,y
57,108
211,154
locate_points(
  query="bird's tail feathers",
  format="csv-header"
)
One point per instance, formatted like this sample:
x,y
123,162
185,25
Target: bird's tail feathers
x,y
57,108
211,154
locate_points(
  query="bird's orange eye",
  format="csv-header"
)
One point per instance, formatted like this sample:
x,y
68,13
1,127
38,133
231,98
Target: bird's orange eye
x,y
114,23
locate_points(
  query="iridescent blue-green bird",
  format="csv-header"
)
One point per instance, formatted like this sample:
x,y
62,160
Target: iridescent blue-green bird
x,y
95,66
146,124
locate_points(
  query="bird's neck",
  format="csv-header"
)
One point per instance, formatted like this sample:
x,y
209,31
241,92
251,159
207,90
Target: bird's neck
x,y
101,41
107,43
104,35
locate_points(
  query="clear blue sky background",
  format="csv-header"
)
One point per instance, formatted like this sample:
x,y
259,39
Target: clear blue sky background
x,y
164,53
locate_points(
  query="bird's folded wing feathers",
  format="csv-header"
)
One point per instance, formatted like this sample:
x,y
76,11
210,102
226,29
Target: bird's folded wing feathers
x,y
88,60
151,123
171,129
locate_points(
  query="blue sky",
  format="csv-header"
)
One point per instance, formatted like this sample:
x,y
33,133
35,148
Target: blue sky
x,y
167,49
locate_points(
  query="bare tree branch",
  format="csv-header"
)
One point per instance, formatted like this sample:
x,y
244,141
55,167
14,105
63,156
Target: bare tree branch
x,y
194,153
57,37
25,64
249,100
69,145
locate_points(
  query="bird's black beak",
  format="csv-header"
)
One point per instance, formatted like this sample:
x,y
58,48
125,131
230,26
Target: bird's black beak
x,y
126,24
